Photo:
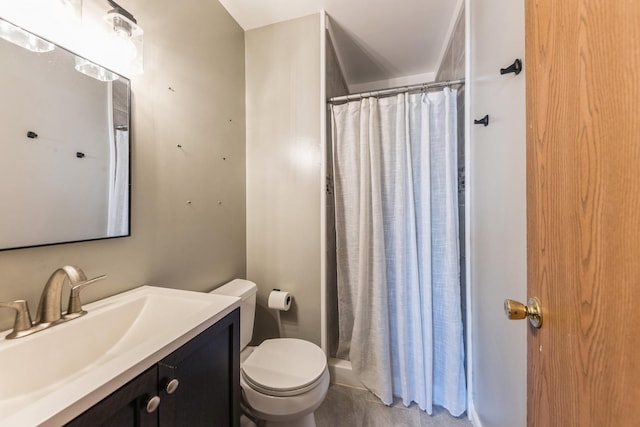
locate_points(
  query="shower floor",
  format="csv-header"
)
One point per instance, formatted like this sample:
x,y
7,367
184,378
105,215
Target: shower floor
x,y
352,407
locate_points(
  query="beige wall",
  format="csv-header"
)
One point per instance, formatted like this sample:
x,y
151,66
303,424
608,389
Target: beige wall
x,y
283,171
498,212
174,244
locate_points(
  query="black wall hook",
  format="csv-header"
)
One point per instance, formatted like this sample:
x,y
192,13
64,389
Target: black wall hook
x,y
482,121
31,134
516,67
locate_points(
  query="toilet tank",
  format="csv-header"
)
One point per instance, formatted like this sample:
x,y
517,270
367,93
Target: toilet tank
x,y
246,291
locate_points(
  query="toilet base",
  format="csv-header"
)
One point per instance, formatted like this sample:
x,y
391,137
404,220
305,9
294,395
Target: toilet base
x,y
246,422
291,411
306,421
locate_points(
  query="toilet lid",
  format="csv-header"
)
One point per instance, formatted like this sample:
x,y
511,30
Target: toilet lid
x,y
284,364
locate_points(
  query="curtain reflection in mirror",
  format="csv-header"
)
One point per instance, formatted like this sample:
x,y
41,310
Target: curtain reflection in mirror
x,y
118,204
118,220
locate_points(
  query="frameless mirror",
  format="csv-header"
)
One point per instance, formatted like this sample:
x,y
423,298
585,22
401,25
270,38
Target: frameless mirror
x,y
64,138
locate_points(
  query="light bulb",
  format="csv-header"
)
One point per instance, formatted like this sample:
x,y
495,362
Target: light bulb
x,y
125,43
124,47
94,70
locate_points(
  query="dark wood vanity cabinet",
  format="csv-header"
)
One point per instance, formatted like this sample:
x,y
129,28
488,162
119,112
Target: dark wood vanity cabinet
x,y
125,406
207,369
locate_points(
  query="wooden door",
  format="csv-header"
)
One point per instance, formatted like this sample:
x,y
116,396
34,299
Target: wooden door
x,y
583,211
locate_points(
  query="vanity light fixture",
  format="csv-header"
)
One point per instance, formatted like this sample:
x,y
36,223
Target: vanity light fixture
x,y
24,39
94,70
72,9
128,36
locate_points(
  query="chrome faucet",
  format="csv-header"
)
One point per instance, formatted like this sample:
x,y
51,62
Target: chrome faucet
x,y
22,324
49,311
74,308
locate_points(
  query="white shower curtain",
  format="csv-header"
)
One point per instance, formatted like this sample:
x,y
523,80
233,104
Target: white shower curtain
x,y
400,321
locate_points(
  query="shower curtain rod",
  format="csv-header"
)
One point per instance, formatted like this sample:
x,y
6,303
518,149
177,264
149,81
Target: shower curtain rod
x,y
394,91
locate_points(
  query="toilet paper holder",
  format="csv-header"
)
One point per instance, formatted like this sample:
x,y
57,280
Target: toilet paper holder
x,y
280,300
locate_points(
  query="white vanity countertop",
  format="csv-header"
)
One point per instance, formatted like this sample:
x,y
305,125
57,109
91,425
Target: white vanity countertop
x,y
52,376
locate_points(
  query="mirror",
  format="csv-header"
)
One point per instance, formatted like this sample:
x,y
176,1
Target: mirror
x,y
65,146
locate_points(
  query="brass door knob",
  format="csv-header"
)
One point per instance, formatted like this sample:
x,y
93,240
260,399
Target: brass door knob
x,y
516,310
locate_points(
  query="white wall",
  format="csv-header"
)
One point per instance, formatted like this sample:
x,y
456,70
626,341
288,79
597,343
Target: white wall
x,y
497,182
175,244
48,194
284,171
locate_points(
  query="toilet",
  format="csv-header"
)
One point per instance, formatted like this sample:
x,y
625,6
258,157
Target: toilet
x,y
283,380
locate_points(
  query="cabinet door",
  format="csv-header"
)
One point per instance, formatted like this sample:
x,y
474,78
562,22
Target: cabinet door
x,y
124,407
208,371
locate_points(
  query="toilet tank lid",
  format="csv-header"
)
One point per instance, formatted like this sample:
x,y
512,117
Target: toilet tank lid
x,y
237,288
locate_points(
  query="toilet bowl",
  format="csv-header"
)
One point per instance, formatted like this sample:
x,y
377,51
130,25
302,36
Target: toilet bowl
x,y
283,380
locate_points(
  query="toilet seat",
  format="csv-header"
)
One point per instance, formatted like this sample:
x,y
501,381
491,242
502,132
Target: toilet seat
x,y
284,367
285,408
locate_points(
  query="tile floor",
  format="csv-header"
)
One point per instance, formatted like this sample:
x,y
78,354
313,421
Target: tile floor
x,y
351,407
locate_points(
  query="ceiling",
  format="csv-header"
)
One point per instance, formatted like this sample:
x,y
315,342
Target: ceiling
x,y
379,43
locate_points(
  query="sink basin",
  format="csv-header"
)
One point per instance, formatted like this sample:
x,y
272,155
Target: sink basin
x,y
52,376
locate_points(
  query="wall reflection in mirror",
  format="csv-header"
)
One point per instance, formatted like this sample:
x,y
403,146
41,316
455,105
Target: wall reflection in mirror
x,y
64,136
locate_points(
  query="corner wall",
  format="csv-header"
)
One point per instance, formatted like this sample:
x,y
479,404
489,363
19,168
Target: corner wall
x,y
497,183
335,86
452,66
173,244
284,155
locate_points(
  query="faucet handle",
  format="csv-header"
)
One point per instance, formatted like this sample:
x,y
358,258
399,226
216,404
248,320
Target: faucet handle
x,y
74,309
22,321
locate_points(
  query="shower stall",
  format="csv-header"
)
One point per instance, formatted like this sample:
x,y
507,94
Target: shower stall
x,y
341,368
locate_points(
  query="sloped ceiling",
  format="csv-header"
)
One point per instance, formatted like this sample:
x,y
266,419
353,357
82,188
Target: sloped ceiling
x,y
379,43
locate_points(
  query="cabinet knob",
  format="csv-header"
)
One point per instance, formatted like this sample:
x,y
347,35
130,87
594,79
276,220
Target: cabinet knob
x,y
172,386
153,404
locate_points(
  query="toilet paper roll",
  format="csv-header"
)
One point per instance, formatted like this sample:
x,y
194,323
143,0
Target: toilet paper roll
x,y
280,300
